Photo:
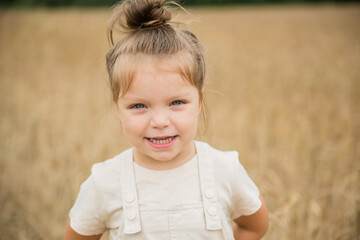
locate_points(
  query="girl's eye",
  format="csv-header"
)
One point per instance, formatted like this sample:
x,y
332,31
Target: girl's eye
x,y
177,102
137,106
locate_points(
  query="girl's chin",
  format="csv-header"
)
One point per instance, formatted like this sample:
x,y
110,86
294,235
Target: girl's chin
x,y
163,157
158,162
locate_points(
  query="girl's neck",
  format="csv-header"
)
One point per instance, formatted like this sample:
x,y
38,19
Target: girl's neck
x,y
150,163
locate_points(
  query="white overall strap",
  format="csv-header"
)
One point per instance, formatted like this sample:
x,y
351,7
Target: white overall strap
x,y
129,195
208,189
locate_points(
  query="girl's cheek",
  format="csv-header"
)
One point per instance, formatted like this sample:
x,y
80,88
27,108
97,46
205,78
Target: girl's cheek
x,y
135,122
187,120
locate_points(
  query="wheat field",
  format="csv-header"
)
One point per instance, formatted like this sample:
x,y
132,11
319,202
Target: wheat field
x,y
283,89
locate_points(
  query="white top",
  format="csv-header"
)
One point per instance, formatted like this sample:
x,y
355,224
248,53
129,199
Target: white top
x,y
170,188
194,201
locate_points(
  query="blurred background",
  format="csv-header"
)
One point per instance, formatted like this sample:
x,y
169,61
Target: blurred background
x,y
282,89
87,3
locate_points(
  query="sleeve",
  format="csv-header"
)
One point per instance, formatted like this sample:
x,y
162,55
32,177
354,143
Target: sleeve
x,y
246,199
87,216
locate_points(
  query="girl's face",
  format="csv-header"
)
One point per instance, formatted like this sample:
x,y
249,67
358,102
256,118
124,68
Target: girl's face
x,y
159,115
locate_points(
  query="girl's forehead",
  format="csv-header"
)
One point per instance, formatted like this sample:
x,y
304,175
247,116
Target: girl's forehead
x,y
152,78
159,88
135,66
155,81
153,68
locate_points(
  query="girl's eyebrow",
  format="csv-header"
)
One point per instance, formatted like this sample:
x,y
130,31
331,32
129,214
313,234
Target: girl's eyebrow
x,y
138,97
132,99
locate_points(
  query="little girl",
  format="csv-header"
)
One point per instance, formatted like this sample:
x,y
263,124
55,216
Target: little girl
x,y
167,186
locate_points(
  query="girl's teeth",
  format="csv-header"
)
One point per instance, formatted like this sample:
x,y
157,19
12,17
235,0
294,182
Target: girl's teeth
x,y
161,141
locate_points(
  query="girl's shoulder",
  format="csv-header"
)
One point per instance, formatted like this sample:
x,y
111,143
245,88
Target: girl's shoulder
x,y
218,157
106,174
224,163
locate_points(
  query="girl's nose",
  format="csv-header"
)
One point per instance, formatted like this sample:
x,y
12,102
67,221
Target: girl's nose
x,y
159,119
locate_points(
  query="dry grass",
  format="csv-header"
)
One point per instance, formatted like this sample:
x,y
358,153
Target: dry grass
x,y
287,98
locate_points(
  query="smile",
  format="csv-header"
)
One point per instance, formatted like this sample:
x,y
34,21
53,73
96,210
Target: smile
x,y
161,142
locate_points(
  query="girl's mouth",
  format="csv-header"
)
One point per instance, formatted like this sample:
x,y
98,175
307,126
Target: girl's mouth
x,y
161,142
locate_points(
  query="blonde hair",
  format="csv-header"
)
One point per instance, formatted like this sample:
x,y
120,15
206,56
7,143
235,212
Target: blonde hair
x,y
148,32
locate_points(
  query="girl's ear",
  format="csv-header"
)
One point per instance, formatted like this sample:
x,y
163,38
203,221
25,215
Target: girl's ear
x,y
200,106
201,100
118,113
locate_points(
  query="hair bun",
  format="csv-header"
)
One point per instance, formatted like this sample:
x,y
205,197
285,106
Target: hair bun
x,y
145,13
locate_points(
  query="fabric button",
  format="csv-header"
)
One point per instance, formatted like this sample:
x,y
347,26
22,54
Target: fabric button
x,y
131,215
212,211
209,193
129,198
